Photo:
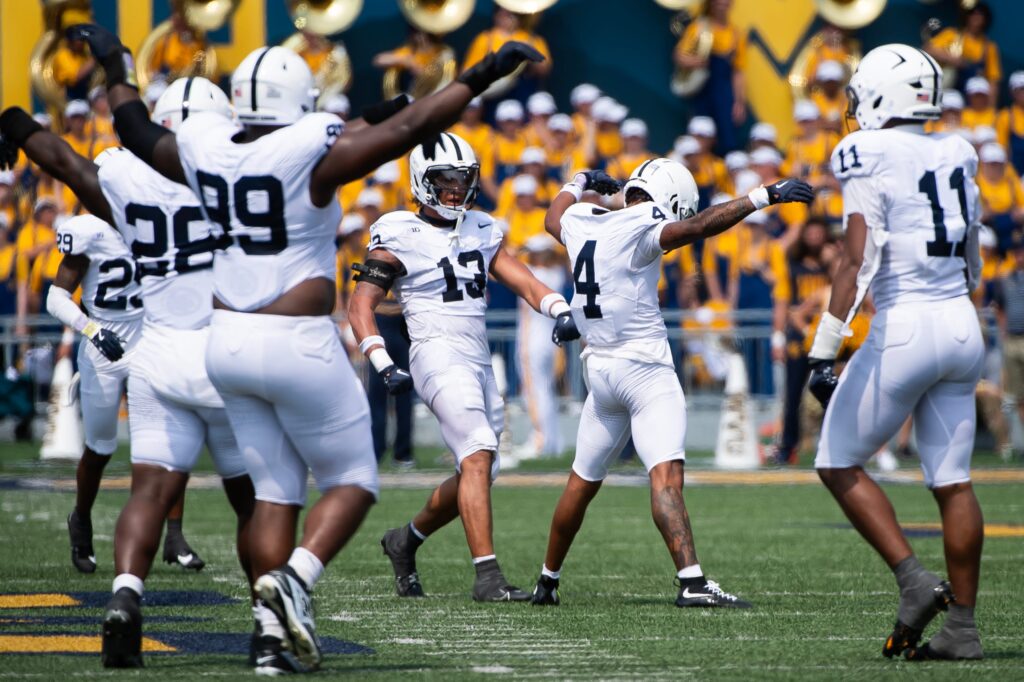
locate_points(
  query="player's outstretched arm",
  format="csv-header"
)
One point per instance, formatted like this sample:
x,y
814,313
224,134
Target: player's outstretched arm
x,y
353,156
512,273
59,303
152,143
595,181
718,219
373,281
53,155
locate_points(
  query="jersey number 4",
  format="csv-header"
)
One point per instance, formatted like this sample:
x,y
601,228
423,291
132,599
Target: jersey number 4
x,y
268,189
475,289
942,247
586,281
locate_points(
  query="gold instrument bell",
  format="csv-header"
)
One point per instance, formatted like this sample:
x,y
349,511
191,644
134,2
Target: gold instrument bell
x,y
57,16
434,18
202,17
315,21
686,82
850,14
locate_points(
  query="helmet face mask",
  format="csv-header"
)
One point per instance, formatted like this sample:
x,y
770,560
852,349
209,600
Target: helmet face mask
x,y
452,188
669,184
444,175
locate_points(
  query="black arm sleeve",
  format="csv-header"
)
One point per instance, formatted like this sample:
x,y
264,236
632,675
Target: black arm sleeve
x,y
139,134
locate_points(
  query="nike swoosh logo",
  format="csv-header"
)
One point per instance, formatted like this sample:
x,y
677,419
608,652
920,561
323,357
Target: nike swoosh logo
x,y
264,659
782,184
184,559
92,558
691,595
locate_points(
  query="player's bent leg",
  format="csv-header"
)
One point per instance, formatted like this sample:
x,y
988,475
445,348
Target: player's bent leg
x,y
177,551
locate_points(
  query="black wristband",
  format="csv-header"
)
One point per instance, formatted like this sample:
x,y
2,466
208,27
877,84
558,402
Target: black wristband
x,y
17,126
139,134
477,77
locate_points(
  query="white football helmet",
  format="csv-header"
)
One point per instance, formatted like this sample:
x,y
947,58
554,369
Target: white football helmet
x,y
895,81
273,86
668,184
446,162
189,96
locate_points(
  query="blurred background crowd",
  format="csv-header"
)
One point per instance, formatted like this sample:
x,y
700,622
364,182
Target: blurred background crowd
x,y
757,289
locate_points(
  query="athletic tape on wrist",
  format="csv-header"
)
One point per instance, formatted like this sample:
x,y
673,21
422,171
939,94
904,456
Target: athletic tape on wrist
x,y
553,305
759,197
381,360
572,188
828,338
370,342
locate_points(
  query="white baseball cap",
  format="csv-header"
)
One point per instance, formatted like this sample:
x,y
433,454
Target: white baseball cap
x,y
702,126
745,181
97,92
806,110
633,127
982,135
370,197
978,86
686,145
533,155
154,90
387,173
475,103
541,104
509,110
524,184
737,160
763,132
607,110
353,222
992,152
43,119
720,198
539,243
44,202
1017,80
952,99
337,104
76,107
561,123
830,70
756,218
583,94
765,156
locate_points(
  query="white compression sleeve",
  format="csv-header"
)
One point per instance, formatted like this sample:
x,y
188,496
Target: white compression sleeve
x,y
60,305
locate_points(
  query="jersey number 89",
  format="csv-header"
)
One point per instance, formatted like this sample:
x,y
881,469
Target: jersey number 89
x,y
216,188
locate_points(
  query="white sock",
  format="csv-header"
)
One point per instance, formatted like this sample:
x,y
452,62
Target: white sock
x,y
416,531
306,566
690,572
133,583
268,620
481,559
554,575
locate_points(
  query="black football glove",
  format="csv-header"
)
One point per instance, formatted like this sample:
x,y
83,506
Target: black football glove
x,y
823,381
565,329
790,190
108,343
600,182
498,64
8,154
382,111
397,380
106,47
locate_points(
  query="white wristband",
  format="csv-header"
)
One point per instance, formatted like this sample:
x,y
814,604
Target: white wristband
x,y
380,360
370,342
759,197
828,338
572,188
778,340
553,305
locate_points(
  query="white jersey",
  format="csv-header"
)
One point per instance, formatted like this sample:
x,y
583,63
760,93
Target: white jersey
x,y
110,292
258,192
171,241
919,199
616,263
443,291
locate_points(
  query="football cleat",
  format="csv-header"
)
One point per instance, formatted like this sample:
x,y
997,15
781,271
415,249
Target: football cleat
x,y
272,658
546,592
707,595
122,631
403,561
178,552
285,594
963,645
905,637
497,588
83,556
254,642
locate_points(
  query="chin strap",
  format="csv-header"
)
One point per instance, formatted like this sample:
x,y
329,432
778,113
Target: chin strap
x,y
455,236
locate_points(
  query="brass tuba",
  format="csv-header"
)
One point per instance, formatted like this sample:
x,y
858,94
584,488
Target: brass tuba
x,y
202,16
686,82
850,14
844,14
529,11
436,17
55,20
324,18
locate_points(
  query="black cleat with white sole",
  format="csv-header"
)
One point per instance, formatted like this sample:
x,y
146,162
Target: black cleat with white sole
x,y
399,548
491,584
272,658
122,631
83,556
286,595
546,592
178,553
707,594
930,600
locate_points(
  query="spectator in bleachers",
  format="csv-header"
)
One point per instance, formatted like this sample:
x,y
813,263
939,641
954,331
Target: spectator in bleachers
x,y
9,219
413,58
369,204
608,116
634,149
582,99
804,275
1009,302
736,161
100,125
474,130
507,27
709,171
533,162
76,115
1002,197
763,134
827,93
526,216
154,90
339,105
177,52
979,56
73,67
351,240
993,267
830,44
8,272
36,236
981,136
387,180
507,144
564,154
1010,122
782,219
951,118
981,110
809,158
724,96
541,107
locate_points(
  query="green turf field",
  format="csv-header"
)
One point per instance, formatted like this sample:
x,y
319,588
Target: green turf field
x,y
824,602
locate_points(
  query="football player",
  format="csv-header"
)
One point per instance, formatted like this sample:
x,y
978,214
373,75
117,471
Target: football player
x,y
911,215
96,257
294,401
633,386
438,261
173,409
